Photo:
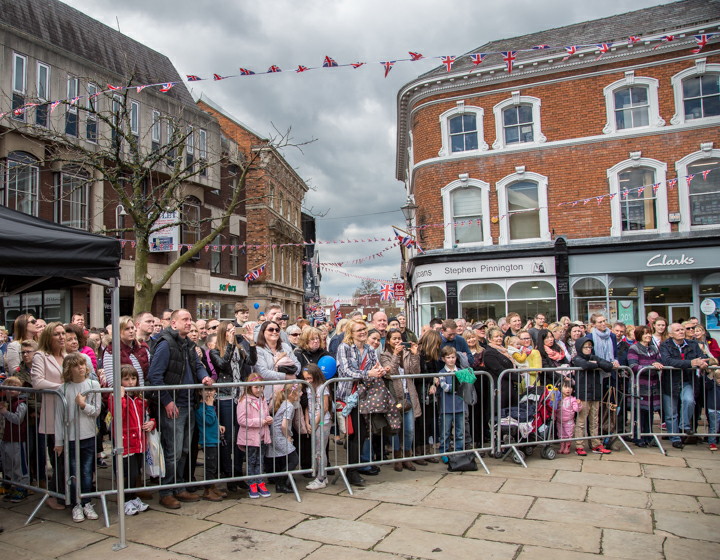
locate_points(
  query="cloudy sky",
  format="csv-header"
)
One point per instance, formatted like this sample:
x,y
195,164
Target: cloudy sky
x,y
350,113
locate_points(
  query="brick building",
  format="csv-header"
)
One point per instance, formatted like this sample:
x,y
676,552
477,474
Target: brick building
x,y
274,193
496,162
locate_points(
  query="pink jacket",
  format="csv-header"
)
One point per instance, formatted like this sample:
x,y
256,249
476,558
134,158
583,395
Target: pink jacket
x,y
46,373
567,409
251,412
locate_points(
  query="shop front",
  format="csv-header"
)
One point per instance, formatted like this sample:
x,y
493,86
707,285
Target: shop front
x,y
628,285
483,289
220,299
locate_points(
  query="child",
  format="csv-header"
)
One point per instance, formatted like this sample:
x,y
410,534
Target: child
x,y
136,421
590,390
452,405
253,433
13,448
323,420
565,415
282,454
712,406
209,430
79,428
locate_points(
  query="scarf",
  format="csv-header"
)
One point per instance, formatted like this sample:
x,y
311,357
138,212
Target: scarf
x,y
554,355
603,344
502,350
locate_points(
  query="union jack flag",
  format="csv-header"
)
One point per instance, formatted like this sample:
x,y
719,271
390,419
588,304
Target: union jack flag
x,y
415,56
407,241
19,111
448,61
54,105
388,66
655,187
702,41
217,77
329,62
540,47
140,88
167,87
672,183
570,51
705,173
603,48
356,65
74,100
114,88
633,39
301,68
273,69
386,292
477,58
246,72
509,57
689,179
664,39
193,78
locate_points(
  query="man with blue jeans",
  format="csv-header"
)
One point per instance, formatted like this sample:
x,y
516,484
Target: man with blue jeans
x,y
683,355
176,362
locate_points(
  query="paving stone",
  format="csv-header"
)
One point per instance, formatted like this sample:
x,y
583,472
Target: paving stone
x,y
636,546
617,497
424,544
587,513
341,532
650,456
603,480
537,552
686,549
480,502
263,519
321,505
541,533
509,470
711,462
674,502
14,553
12,520
621,468
481,483
561,463
716,489
224,541
395,492
712,475
41,538
710,505
133,551
684,474
197,510
685,488
689,525
143,528
331,552
543,489
419,517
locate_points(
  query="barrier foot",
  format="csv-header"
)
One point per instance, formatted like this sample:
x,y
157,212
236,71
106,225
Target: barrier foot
x,y
622,440
659,445
342,473
103,503
37,508
519,457
118,546
479,458
294,487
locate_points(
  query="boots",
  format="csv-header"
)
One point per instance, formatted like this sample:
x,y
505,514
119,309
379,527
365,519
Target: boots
x,y
219,491
421,462
408,464
211,496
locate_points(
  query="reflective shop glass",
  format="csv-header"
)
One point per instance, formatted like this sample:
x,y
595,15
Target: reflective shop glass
x,y
479,302
431,303
528,298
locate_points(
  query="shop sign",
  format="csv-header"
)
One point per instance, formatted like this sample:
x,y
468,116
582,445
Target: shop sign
x,y
471,270
228,286
167,237
399,290
645,261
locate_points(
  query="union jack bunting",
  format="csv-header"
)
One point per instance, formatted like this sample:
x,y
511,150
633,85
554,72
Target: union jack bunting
x,y
166,87
246,72
388,66
114,88
217,77
702,41
540,47
54,105
19,111
356,65
193,78
74,100
705,173
689,179
273,69
665,39
655,187
415,56
477,58
633,39
329,62
603,48
448,61
570,51
301,68
672,183
140,88
386,292
509,57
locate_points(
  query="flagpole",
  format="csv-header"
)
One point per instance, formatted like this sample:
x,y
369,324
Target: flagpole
x,y
405,232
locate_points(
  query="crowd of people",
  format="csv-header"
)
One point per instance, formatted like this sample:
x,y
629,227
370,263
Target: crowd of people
x,y
379,409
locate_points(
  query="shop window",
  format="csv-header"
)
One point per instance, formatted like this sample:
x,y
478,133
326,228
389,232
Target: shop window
x,y
462,130
632,103
697,93
623,294
20,182
71,204
431,301
482,301
710,285
589,295
465,204
700,199
639,203
528,298
517,121
522,199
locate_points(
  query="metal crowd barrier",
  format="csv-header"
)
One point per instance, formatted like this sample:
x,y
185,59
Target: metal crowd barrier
x,y
528,404
682,398
369,440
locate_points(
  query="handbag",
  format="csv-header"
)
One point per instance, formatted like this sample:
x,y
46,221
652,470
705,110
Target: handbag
x,y
154,458
462,462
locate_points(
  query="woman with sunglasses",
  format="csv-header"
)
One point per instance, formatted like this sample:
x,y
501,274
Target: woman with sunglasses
x,y
275,359
24,328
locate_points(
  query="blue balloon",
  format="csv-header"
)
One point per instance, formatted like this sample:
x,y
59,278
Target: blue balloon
x,y
328,366
256,305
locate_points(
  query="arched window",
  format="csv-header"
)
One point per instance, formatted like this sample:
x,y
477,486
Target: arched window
x,y
697,93
700,197
431,302
639,203
465,204
21,179
528,298
522,199
461,129
632,103
517,121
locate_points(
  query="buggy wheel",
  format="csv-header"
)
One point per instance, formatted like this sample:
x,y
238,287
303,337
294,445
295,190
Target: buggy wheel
x,y
529,451
517,458
548,453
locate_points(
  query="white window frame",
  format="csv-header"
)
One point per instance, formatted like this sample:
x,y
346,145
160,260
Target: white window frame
x,y
135,117
90,116
517,99
681,166
72,93
190,141
22,87
84,191
448,217
156,128
43,66
202,144
501,188
33,170
661,204
701,67
461,109
630,80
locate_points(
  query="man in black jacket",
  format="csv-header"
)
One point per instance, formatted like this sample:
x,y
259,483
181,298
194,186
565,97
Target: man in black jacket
x,y
176,362
683,355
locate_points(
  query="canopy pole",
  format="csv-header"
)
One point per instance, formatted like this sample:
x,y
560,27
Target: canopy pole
x,y
117,418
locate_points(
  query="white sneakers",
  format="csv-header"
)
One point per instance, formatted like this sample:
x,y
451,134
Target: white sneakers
x,y
81,513
317,484
134,506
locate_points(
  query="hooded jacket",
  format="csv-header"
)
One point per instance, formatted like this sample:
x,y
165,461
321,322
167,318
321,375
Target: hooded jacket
x,y
589,380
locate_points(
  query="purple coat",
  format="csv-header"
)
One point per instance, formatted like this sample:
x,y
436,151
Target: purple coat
x,y
648,383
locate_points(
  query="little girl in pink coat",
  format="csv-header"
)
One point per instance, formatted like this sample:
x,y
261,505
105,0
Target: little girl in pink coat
x,y
565,415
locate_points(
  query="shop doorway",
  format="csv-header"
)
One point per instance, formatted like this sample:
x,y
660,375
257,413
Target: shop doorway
x,y
673,313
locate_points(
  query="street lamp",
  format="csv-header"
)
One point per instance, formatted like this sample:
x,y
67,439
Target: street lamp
x,y
409,210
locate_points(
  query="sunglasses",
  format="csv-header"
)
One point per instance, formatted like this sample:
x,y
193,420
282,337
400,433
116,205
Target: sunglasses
x,y
213,327
294,334
33,321
272,329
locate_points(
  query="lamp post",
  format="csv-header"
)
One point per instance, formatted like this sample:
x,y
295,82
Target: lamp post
x,y
409,210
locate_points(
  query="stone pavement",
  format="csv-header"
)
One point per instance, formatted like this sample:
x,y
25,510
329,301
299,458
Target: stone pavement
x,y
617,506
